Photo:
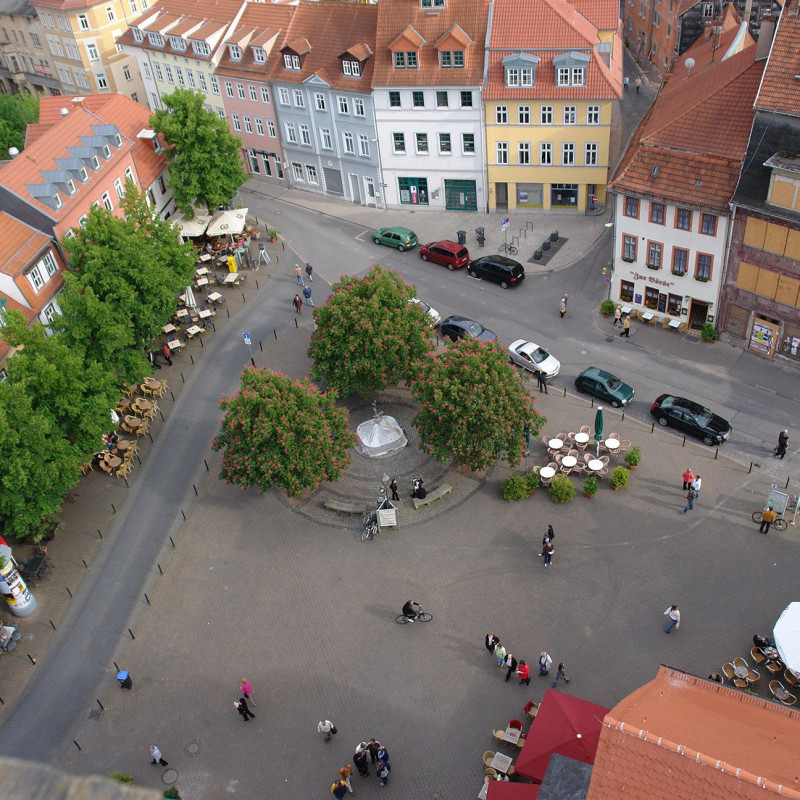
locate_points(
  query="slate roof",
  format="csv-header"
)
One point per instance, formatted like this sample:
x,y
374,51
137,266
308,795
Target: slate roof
x,y
395,16
780,88
680,737
696,134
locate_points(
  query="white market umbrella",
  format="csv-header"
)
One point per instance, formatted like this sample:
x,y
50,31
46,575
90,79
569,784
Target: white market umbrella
x,y
189,300
191,227
787,636
227,222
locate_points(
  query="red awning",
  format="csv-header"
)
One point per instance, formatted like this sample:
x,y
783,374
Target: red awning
x,y
503,790
565,725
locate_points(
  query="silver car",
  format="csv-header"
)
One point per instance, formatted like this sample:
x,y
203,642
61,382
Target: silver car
x,y
533,358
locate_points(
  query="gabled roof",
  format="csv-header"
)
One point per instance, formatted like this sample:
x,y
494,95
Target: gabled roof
x,y
689,146
780,88
681,737
324,31
424,27
21,244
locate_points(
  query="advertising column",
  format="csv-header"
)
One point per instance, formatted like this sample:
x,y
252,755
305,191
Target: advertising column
x,y
15,591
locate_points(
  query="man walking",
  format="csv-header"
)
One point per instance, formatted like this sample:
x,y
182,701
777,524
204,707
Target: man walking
x,y
307,295
689,499
638,83
298,273
617,316
626,82
563,305
626,327
674,618
360,759
545,662
688,477
561,673
393,487
783,441
326,728
244,710
155,754
768,516
310,272
511,663
547,552
298,304
542,378
696,484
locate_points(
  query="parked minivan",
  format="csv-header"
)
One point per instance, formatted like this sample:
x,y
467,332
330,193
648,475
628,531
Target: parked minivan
x,y
497,269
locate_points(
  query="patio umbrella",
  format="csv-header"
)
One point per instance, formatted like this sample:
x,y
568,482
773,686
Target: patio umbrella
x,y
191,227
598,427
787,636
189,300
227,222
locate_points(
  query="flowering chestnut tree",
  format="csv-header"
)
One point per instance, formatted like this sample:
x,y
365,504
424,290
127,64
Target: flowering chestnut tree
x,y
474,406
368,336
281,432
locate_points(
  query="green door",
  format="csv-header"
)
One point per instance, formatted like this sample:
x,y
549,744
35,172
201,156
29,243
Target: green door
x,y
460,196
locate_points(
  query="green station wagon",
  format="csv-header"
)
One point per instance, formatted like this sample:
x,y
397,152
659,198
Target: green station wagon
x,y
401,238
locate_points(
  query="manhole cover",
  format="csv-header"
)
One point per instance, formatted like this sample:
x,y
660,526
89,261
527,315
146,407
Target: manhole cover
x,y
94,714
692,339
169,776
193,748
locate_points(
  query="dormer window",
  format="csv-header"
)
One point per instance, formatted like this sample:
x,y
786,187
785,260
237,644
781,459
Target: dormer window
x,y
138,36
291,61
235,51
406,60
516,77
200,48
176,43
57,202
118,140
431,3
84,175
571,76
451,58
352,68
520,70
106,151
571,68
71,187
155,39
95,163
258,55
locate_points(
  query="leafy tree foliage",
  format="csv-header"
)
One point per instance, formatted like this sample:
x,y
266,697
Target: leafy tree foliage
x,y
204,158
38,466
473,406
125,275
17,111
367,334
281,432
77,394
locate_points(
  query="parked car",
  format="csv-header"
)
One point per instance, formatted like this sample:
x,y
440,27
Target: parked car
x,y
456,328
691,418
533,358
604,385
401,238
497,269
435,316
450,254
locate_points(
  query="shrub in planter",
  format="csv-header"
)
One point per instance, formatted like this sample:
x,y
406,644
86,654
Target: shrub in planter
x,y
172,793
534,481
272,234
619,477
515,488
709,332
590,486
633,457
607,307
562,490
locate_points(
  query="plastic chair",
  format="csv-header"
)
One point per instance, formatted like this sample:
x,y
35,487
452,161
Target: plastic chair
x,y
774,667
531,709
515,723
790,679
586,429
757,656
488,757
499,735
727,671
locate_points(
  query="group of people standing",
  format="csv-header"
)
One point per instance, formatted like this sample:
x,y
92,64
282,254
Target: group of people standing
x,y
371,751
548,548
521,668
691,485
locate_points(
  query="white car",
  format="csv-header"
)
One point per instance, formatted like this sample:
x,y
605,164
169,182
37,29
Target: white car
x,y
533,358
435,316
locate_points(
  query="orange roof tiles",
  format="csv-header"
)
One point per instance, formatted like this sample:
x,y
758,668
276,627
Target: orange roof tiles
x,y
428,25
604,16
696,133
680,737
21,244
780,88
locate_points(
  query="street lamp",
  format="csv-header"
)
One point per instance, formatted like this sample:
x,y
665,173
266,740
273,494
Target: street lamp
x,y
611,265
382,185
382,490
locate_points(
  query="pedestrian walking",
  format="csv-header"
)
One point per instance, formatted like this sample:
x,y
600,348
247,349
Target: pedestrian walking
x,y
626,82
542,378
382,770
638,83
500,654
783,441
154,359
344,774
298,304
373,747
768,516
393,487
310,272
327,729
491,642
298,273
244,710
339,789
626,327
545,662
689,500
618,315
167,354
307,295
511,663
247,691
524,673
674,618
360,759
547,553
563,308
696,484
561,674
155,754
688,477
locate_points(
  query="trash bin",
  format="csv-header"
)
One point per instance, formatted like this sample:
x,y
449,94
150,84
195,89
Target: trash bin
x,y
462,237
124,679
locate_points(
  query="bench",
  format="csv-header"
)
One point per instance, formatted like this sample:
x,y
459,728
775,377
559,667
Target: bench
x,y
345,508
432,496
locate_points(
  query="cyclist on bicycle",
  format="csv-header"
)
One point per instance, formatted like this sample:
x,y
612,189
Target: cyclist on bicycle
x,y
412,610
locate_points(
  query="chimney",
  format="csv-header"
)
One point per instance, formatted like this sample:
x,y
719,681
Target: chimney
x,y
64,112
765,37
13,152
793,7
748,10
707,31
78,101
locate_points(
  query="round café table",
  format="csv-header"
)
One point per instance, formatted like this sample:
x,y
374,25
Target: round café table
x,y
140,404
112,461
123,445
133,422
124,403
595,465
555,444
612,444
581,438
547,472
569,461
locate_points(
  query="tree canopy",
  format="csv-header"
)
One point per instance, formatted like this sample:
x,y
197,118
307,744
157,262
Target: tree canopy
x,y
368,336
281,432
17,111
204,156
473,406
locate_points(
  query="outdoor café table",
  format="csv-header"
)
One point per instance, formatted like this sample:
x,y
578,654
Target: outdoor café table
x,y
202,282
205,257
231,277
140,404
212,298
595,465
626,309
123,403
123,445
152,383
612,444
569,461
482,792
555,444
581,438
132,422
648,315
201,272
169,328
740,672
512,735
112,461
674,323
181,312
501,763
771,653
547,472
193,331
204,314
175,344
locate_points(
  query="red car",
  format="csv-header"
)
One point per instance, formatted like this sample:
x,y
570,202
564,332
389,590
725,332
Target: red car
x,y
449,254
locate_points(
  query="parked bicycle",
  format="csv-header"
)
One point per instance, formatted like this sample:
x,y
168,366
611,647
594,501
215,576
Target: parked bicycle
x,y
505,247
779,524
370,525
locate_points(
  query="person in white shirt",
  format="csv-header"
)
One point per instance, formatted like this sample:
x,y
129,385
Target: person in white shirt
x,y
696,484
674,616
326,728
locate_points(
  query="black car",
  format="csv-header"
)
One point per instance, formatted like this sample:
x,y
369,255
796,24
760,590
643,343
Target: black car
x,y
456,328
498,269
691,418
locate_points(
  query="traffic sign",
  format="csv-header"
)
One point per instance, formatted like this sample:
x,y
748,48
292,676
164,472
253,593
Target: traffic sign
x,y
384,184
504,224
246,337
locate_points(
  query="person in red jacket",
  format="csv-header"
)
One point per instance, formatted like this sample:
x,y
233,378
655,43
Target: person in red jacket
x,y
524,672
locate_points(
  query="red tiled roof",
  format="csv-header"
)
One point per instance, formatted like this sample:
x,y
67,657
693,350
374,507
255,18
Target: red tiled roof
x,y
21,244
326,30
680,737
696,133
395,16
780,88
604,15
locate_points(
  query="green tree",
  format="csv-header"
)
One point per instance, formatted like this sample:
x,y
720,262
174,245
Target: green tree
x,y
125,275
77,394
17,111
38,466
204,157
367,334
281,432
473,406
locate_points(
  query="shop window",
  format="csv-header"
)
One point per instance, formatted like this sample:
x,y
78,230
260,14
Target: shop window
x,y
651,297
626,291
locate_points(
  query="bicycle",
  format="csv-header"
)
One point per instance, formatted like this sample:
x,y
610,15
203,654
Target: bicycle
x,y
779,524
423,616
370,526
505,247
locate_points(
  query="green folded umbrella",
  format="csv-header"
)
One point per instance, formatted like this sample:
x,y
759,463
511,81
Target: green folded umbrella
x,y
598,427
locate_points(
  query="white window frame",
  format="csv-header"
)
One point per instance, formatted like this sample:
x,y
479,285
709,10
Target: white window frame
x,y
592,115
363,145
291,132
326,138
283,96
568,154
591,154
570,115
311,174
265,98
546,154
299,98
358,107
297,169
348,143
501,152
237,125
259,126
106,198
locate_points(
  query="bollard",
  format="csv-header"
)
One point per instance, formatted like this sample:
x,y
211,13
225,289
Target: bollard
x,y
253,361
653,428
183,515
623,415
51,624
751,468
684,442
149,436
275,333
787,484
195,491
183,380
172,394
295,323
68,591
201,345
116,666
214,327
256,284
99,534
160,571
102,707
260,346
127,485
83,560
76,744
33,660
228,312
243,300
131,633
206,463
191,358
171,542
147,598
113,510
162,415
716,454
565,391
